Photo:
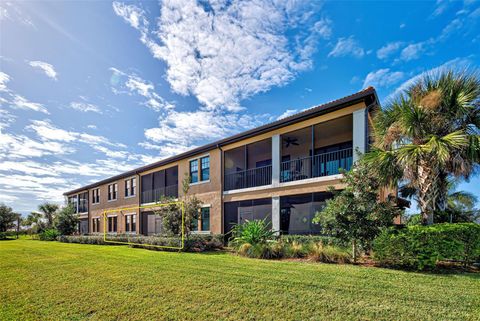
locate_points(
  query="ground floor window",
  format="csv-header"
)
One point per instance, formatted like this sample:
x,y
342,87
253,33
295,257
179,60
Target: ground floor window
x,y
131,223
96,225
205,217
298,211
112,224
241,211
83,226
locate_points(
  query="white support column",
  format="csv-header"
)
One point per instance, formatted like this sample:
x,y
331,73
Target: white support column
x,y
275,160
359,132
276,213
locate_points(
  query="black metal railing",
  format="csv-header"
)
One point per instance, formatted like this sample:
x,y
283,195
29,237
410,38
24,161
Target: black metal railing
x,y
319,165
156,195
253,177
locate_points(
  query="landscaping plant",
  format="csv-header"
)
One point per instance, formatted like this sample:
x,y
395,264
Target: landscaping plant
x,y
428,134
66,221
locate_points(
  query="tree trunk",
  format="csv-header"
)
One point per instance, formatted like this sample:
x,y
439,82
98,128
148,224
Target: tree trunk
x,y
426,191
354,250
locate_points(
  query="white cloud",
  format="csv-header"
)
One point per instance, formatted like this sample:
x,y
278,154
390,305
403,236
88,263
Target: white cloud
x,y
45,67
287,113
388,49
4,79
412,51
382,78
20,102
92,126
189,128
85,107
123,83
456,64
226,51
347,47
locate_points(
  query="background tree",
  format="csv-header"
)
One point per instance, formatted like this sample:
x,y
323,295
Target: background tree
x,y
48,211
34,221
7,218
66,221
428,134
356,214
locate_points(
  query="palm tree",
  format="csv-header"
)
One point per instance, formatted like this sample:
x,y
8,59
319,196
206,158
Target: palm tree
x,y
428,134
48,210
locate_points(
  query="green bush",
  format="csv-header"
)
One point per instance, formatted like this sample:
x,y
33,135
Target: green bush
x,y
49,235
253,232
194,243
421,247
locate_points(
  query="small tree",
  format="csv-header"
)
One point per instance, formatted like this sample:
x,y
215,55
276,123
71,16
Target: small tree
x,y
66,221
35,222
172,214
7,218
356,214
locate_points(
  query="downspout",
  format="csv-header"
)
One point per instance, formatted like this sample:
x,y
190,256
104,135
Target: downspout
x,y
221,189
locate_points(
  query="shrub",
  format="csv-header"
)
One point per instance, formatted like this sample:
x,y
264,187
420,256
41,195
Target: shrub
x,y
253,232
49,235
421,247
328,254
66,220
296,250
194,243
307,239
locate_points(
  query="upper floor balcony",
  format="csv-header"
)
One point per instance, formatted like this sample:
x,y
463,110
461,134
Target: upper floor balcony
x,y
315,151
159,184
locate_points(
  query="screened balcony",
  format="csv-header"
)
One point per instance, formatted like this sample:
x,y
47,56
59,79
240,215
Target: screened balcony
x,y
315,151
160,184
248,166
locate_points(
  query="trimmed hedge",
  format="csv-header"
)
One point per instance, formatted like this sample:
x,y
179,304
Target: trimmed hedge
x,y
421,247
194,242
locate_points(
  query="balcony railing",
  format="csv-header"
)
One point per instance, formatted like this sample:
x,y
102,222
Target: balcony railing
x,y
319,165
249,178
155,195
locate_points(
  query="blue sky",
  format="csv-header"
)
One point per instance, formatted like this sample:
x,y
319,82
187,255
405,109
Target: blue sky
x,y
91,89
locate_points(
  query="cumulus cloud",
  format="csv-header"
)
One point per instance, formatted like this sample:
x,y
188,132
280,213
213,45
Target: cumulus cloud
x,y
45,67
382,78
347,47
389,49
225,51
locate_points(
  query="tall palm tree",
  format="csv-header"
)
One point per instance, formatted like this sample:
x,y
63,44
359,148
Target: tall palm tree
x,y
48,210
428,134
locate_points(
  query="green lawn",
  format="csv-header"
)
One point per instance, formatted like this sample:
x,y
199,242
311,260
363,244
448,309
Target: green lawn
x,y
55,281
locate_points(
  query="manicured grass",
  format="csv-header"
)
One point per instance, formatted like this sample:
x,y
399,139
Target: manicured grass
x,y
54,281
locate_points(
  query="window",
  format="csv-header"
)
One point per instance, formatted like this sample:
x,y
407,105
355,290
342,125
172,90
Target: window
x,y
96,196
96,225
112,224
205,168
205,214
130,223
83,202
112,191
194,171
130,187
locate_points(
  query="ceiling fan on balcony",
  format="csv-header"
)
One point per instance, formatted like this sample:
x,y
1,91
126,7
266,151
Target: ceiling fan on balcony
x,y
290,141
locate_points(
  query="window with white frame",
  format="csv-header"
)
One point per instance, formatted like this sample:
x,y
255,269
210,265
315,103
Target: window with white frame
x,y
96,196
112,224
130,187
130,223
112,191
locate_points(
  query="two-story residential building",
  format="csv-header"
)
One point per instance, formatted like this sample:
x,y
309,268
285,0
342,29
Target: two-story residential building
x,y
280,172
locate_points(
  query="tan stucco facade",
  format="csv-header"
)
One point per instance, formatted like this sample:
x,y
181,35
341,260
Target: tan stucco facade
x,y
211,193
